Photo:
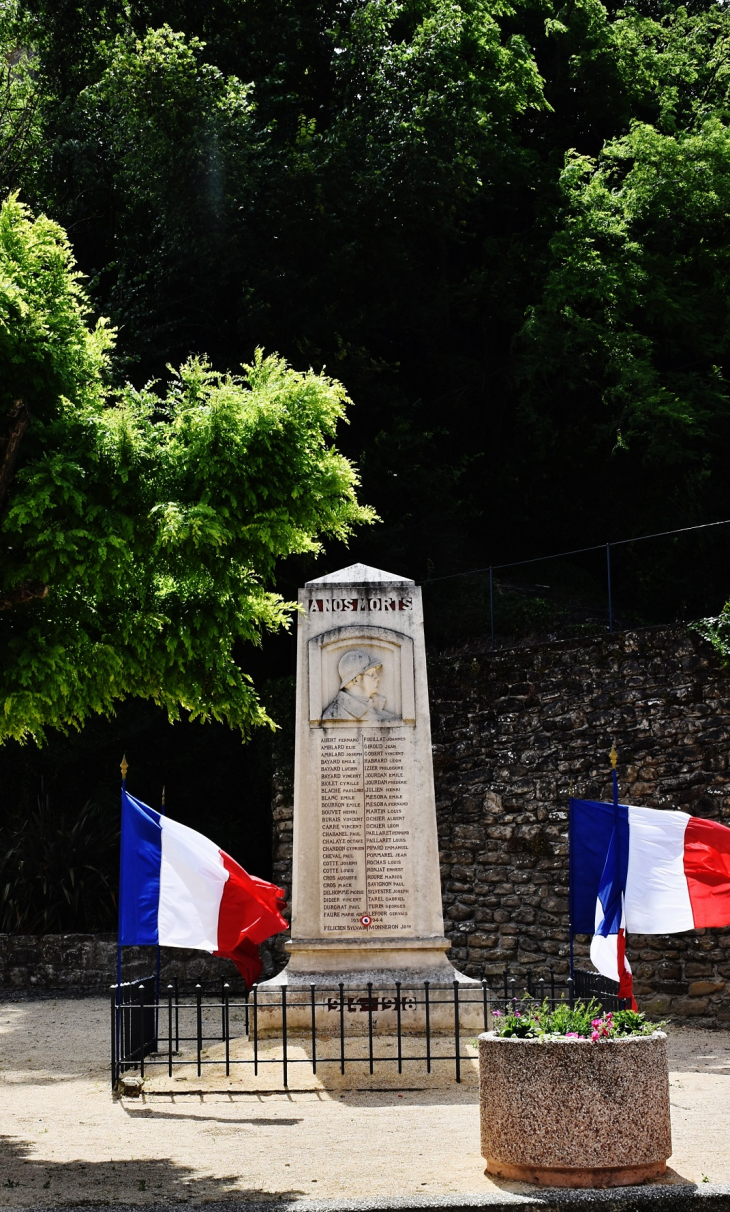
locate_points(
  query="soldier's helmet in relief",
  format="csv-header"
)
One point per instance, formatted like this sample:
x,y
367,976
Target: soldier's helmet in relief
x,y
354,662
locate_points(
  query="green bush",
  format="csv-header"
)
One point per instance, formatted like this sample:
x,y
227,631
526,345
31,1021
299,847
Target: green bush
x,y
580,1021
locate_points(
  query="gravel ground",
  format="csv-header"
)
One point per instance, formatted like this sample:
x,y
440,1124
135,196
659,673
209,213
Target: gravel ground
x,y
66,1140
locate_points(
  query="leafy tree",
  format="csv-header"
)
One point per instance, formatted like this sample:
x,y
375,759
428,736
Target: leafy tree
x,y
141,527
626,354
381,188
21,127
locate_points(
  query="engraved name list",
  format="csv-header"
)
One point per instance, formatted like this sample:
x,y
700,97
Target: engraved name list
x,y
364,813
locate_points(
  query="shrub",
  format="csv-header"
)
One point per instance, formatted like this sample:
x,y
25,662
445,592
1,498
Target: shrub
x,y
580,1021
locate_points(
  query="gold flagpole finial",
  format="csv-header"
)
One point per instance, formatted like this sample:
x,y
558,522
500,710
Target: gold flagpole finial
x,y
613,756
163,797
124,767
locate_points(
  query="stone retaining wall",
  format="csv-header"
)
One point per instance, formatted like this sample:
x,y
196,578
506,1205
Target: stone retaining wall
x,y
84,964
512,731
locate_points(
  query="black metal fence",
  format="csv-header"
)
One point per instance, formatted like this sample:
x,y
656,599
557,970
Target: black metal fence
x,y
396,1025
134,1023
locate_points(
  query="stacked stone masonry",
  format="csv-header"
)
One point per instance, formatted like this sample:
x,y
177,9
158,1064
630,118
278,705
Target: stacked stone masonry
x,y
80,964
513,731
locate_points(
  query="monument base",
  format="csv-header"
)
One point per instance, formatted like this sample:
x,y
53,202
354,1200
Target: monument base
x,y
381,963
379,960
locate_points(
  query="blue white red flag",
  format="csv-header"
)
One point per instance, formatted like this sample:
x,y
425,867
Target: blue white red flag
x,y
178,889
645,871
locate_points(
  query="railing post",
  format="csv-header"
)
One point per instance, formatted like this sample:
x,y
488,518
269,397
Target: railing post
x,y
314,1029
227,1026
426,986
608,573
142,1040
370,1023
283,1034
115,1076
199,1023
169,1030
342,1027
484,1003
255,1030
457,1039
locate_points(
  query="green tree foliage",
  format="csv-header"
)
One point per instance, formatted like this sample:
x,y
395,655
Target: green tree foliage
x,y
489,219
624,355
21,127
141,527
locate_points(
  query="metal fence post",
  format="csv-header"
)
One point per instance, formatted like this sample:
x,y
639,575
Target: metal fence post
x,y
283,1034
342,1027
608,572
314,1029
370,1023
169,1030
457,1039
426,985
255,1030
142,1040
227,1027
199,1023
115,1058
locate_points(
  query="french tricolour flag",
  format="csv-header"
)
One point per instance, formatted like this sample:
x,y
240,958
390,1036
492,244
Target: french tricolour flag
x,y
178,889
644,871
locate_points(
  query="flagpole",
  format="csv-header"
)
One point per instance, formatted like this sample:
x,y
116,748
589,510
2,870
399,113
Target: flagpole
x,y
124,767
157,966
571,883
614,778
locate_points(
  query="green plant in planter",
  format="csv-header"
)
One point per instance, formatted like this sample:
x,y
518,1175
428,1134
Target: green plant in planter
x,y
580,1021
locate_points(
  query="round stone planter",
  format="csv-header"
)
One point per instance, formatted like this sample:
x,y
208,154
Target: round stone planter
x,y
571,1113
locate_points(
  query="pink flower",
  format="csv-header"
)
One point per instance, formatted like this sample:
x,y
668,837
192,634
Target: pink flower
x,y
573,1035
595,1035
596,1022
496,1014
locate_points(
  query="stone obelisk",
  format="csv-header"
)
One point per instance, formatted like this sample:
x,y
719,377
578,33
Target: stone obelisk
x,y
366,884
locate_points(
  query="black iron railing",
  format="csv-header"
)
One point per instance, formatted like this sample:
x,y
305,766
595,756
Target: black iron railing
x,y
134,1024
335,1025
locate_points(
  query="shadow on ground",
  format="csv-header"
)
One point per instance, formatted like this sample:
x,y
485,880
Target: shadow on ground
x,y
26,1180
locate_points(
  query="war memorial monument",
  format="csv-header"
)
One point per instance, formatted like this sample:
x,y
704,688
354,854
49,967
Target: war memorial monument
x,y
366,898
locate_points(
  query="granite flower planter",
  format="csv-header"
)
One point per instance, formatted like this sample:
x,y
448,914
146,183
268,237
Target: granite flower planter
x,y
572,1113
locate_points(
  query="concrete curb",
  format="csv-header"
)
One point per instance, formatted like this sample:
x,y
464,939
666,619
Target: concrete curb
x,y
674,1197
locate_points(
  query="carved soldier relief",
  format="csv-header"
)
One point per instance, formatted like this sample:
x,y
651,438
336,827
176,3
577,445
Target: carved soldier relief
x,y
361,676
358,699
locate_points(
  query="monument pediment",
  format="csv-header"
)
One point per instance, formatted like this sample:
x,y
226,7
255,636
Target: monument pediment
x,y
360,574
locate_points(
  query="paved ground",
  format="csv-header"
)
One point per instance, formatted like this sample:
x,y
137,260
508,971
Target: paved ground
x,y
65,1140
